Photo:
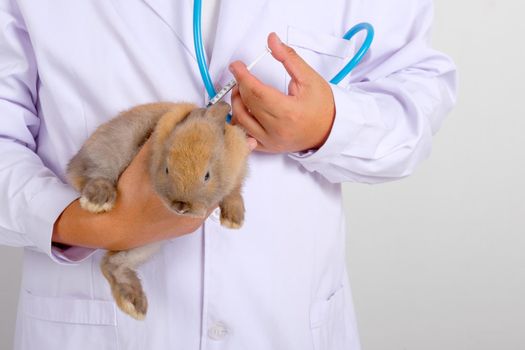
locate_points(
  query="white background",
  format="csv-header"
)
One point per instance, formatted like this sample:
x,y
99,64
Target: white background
x,y
437,261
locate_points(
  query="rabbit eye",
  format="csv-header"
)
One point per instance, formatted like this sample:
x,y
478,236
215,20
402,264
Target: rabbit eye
x,y
207,176
167,171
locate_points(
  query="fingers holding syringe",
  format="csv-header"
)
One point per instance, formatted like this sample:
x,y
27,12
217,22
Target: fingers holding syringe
x,y
263,101
241,116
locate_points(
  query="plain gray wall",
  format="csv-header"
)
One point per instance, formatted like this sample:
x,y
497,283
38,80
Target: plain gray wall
x,y
437,261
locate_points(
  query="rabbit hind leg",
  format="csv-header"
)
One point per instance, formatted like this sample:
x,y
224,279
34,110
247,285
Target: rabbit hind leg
x,y
126,287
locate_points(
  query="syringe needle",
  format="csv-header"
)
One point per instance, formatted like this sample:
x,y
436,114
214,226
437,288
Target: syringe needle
x,y
231,84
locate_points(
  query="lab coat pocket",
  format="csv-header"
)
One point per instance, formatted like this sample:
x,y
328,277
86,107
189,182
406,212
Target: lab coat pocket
x,y
325,53
68,323
327,321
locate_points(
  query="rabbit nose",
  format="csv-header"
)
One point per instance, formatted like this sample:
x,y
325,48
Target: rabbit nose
x,y
181,207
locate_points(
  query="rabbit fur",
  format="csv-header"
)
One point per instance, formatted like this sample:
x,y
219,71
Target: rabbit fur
x,y
197,160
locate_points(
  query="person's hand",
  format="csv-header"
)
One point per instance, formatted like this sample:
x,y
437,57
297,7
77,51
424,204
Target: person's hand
x,y
299,121
138,217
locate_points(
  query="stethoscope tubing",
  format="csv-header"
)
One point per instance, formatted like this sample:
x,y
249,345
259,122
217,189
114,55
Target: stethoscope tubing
x,y
203,66
360,53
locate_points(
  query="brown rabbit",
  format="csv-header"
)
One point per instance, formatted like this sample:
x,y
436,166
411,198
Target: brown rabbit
x,y
196,161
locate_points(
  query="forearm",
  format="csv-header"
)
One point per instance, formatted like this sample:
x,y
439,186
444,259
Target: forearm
x,y
78,227
383,136
115,230
391,106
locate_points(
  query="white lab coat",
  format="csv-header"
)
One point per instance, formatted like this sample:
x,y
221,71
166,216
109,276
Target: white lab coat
x,y
280,282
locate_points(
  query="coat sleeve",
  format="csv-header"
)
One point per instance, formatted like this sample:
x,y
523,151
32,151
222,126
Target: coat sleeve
x,y
395,101
31,195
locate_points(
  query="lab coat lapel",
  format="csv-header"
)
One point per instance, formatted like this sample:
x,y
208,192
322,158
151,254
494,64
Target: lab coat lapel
x,y
235,18
178,15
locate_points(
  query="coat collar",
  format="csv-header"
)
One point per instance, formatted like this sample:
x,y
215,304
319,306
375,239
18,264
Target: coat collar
x,y
235,18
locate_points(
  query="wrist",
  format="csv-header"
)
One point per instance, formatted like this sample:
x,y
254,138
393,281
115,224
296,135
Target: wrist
x,y
78,227
61,229
322,119
323,129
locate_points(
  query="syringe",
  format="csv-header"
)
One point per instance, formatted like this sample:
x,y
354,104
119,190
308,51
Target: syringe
x,y
222,92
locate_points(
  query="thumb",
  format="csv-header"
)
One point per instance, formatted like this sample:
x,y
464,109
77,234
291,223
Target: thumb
x,y
298,69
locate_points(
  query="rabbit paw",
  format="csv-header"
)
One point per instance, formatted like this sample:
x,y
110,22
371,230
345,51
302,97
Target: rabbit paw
x,y
126,289
98,196
131,299
232,214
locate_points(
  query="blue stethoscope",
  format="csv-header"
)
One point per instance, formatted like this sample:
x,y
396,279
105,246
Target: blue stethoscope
x,y
205,74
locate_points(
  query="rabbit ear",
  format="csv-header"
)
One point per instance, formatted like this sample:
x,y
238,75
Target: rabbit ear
x,y
170,119
218,110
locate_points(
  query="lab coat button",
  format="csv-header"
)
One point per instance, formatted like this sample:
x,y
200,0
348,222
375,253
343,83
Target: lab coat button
x,y
218,331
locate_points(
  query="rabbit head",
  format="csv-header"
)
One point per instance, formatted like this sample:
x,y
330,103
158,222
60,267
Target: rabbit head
x,y
187,168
